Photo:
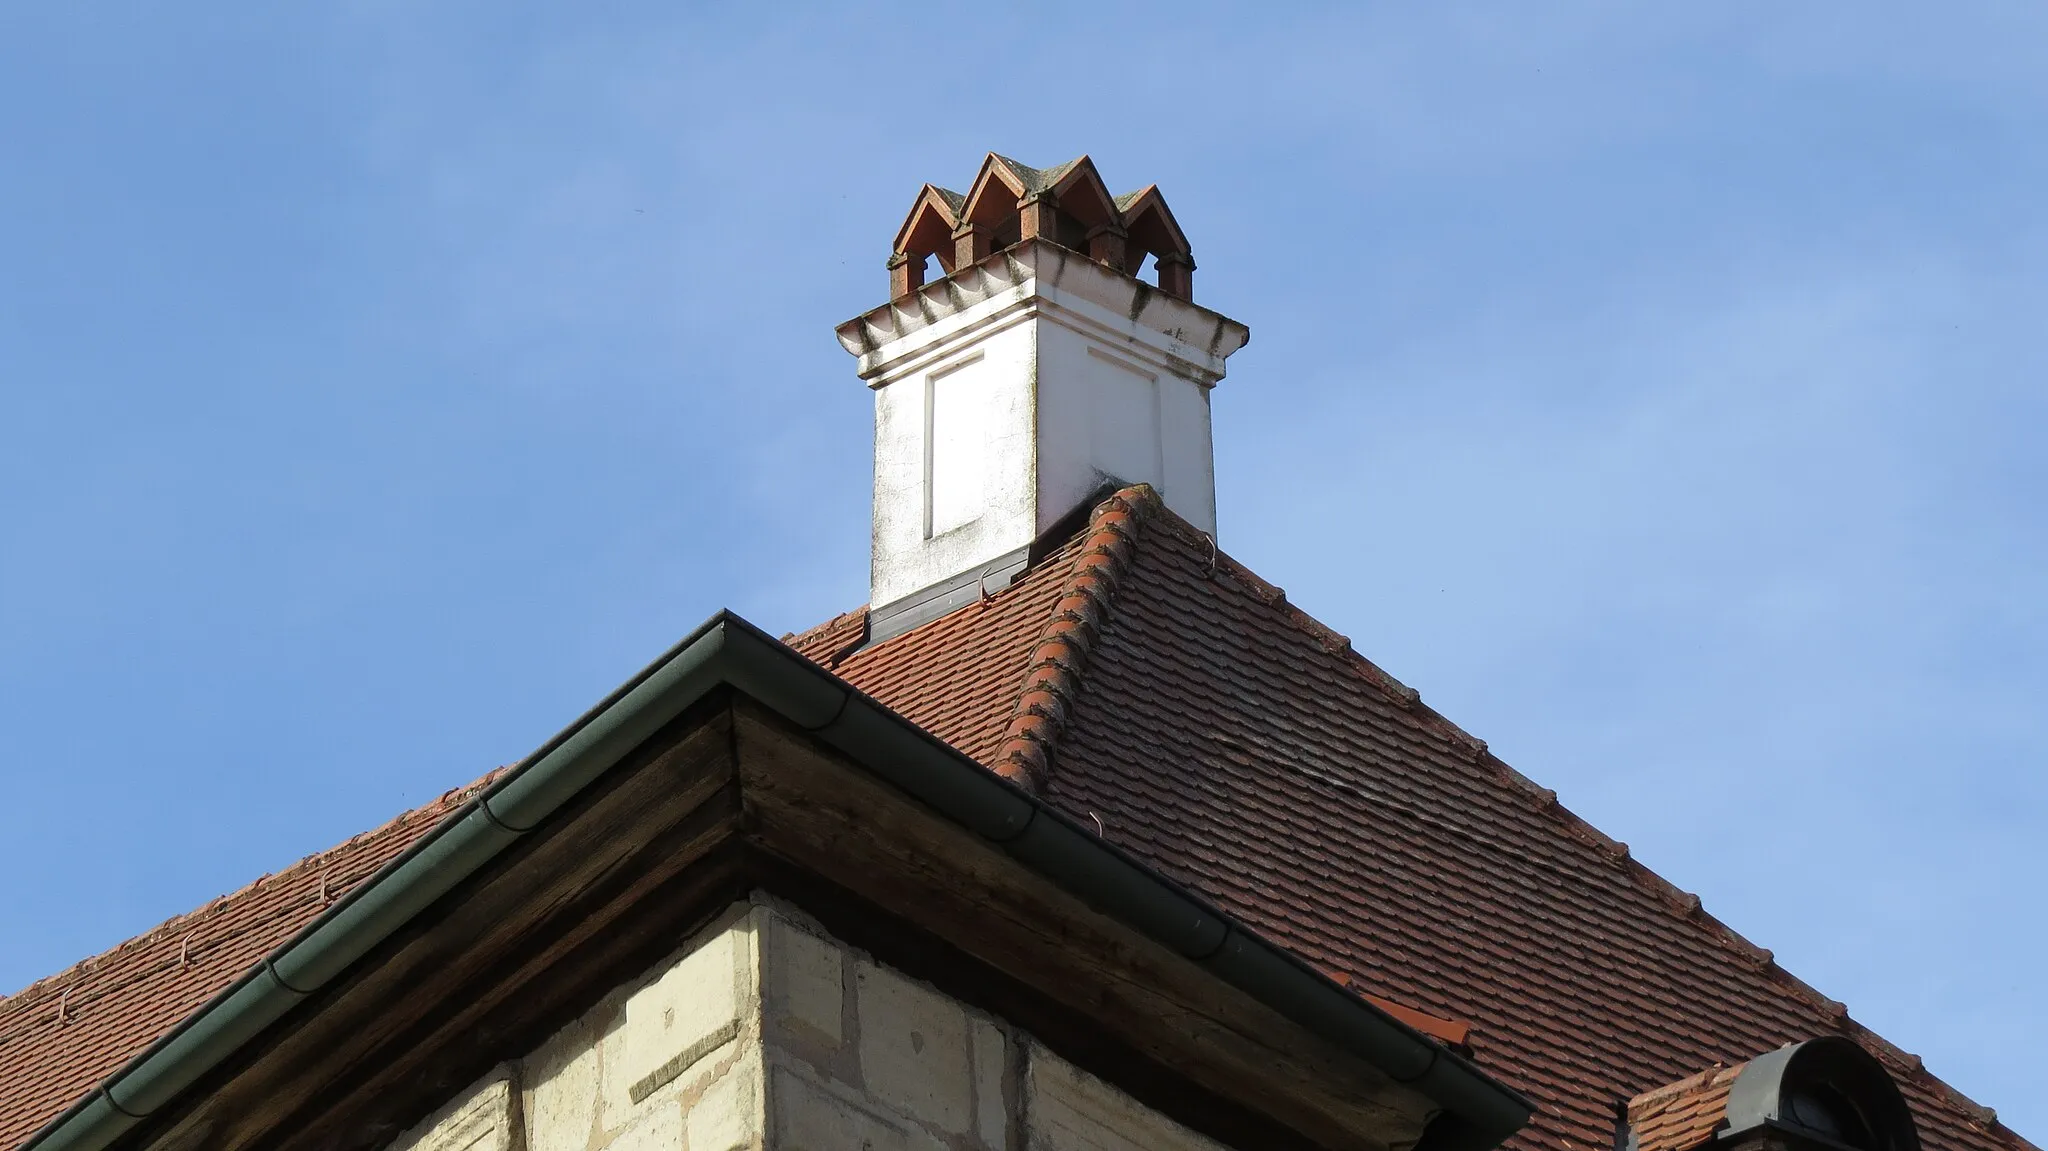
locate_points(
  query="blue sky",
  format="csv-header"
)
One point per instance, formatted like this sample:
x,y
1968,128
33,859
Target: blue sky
x,y
1650,385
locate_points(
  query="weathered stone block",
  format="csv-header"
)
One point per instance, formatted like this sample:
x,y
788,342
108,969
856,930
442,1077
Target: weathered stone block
x,y
810,1116
803,978
913,1049
655,1129
1071,1110
479,1119
562,1092
991,1068
691,1011
729,1113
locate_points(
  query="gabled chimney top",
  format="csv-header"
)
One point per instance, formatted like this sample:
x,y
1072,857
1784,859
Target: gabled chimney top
x,y
1068,205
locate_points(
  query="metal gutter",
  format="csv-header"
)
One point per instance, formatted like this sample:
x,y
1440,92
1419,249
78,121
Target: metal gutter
x,y
1479,1112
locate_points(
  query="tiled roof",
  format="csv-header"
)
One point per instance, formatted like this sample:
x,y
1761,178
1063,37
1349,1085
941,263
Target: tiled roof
x,y
1682,1115
61,1035
1226,738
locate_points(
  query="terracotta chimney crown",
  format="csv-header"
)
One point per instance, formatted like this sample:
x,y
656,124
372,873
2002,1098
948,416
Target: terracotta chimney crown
x,y
1068,205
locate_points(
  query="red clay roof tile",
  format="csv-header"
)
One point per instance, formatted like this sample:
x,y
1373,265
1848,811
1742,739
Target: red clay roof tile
x,y
1682,1115
1053,671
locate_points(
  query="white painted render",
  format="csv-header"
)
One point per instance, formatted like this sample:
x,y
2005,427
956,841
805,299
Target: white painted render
x,y
766,1033
1011,391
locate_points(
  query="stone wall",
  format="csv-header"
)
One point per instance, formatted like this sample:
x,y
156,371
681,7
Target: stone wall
x,y
764,1032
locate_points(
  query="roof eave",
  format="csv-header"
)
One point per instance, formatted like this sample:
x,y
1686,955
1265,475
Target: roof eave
x,y
1479,1112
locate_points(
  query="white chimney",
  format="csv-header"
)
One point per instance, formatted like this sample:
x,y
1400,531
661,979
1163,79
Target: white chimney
x,y
1035,374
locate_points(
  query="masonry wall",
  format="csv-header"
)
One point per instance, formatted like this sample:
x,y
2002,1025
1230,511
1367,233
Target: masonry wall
x,y
764,1032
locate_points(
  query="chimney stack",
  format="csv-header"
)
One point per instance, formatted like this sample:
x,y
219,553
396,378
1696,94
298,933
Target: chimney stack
x,y
1038,371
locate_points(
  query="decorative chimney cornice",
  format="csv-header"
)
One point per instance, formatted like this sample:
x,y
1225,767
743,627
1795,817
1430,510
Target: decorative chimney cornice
x,y
1189,339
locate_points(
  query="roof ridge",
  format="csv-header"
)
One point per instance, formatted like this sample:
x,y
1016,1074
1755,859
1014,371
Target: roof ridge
x,y
1692,1083
1686,905
1052,674
854,621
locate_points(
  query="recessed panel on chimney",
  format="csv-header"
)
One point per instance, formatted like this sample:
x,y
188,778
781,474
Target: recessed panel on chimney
x,y
956,447
1123,428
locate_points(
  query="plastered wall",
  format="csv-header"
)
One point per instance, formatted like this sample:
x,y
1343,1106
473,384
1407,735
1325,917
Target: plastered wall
x,y
1017,390
764,1032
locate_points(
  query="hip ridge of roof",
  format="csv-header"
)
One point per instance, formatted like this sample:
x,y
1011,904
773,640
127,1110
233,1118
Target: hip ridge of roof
x,y
1059,658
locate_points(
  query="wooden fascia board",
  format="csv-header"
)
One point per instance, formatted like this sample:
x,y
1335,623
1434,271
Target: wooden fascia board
x,y
498,965
809,807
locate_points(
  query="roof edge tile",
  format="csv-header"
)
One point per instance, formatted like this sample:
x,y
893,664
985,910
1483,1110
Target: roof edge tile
x,y
1052,674
1684,905
53,985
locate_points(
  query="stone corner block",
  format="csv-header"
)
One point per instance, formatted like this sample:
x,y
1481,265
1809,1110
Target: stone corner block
x,y
694,1008
1071,1110
729,1114
802,979
563,1085
811,1115
479,1119
914,1049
